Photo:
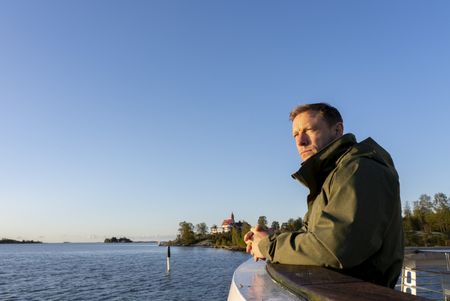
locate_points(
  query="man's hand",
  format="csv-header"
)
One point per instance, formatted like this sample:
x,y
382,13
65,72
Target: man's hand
x,y
252,239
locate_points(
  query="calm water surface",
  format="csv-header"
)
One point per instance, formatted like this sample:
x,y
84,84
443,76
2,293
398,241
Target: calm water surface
x,y
134,271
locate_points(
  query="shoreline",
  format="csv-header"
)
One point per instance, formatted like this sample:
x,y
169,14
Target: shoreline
x,y
202,244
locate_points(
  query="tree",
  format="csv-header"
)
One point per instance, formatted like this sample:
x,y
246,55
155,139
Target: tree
x,y
429,216
236,238
275,226
298,224
292,225
422,211
224,239
440,201
186,233
441,218
245,228
202,229
408,221
262,221
423,204
407,210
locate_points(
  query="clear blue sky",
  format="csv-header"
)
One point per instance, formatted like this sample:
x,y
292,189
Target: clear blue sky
x,y
127,117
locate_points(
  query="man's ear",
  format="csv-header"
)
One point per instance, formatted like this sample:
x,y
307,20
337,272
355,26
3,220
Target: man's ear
x,y
339,129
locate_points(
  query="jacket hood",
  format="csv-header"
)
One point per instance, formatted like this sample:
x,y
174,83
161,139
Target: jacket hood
x,y
368,148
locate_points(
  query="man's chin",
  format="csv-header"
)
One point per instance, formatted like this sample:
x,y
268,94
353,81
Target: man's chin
x,y
306,155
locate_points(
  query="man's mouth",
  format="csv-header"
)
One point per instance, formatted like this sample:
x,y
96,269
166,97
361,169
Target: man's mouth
x,y
305,152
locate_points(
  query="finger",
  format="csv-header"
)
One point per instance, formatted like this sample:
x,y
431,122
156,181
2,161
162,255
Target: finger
x,y
248,236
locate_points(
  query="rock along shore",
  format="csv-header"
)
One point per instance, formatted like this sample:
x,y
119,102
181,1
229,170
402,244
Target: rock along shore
x,y
204,244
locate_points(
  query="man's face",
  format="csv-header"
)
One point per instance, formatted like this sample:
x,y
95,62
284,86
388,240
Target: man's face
x,y
312,133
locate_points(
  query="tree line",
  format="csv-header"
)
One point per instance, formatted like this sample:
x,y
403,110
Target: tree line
x,y
117,240
188,234
13,241
427,223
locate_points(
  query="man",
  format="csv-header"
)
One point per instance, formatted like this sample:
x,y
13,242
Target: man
x,y
353,222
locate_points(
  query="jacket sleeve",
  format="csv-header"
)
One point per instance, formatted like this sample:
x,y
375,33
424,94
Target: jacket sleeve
x,y
350,228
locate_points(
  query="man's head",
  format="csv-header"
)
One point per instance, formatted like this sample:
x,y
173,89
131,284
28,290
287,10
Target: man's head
x,y
314,126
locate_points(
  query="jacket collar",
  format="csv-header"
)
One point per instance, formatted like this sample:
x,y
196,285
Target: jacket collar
x,y
314,170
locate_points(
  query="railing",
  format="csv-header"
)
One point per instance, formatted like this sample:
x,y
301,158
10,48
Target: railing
x,y
426,273
252,282
258,281
318,283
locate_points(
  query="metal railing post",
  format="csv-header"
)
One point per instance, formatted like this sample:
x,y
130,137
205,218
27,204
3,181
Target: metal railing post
x,y
411,284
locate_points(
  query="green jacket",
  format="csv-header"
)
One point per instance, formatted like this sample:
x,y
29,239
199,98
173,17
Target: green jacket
x,y
354,221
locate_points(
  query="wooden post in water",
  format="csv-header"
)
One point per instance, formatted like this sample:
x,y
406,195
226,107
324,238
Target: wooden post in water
x,y
168,258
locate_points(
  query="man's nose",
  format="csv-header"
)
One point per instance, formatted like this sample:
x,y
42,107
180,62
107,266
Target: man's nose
x,y
302,139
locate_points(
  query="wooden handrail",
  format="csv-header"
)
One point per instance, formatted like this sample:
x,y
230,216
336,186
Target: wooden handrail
x,y
318,283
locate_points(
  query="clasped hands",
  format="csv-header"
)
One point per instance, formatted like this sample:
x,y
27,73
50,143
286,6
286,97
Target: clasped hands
x,y
252,239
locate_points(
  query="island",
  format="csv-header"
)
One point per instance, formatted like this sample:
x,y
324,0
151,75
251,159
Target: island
x,y
117,240
13,241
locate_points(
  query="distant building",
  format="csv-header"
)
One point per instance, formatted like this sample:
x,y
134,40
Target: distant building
x,y
214,229
226,226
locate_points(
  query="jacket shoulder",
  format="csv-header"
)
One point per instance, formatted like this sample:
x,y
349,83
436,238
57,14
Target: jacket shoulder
x,y
368,149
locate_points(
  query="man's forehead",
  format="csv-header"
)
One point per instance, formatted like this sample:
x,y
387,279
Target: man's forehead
x,y
306,118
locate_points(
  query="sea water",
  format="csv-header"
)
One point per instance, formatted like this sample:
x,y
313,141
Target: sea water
x,y
126,271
